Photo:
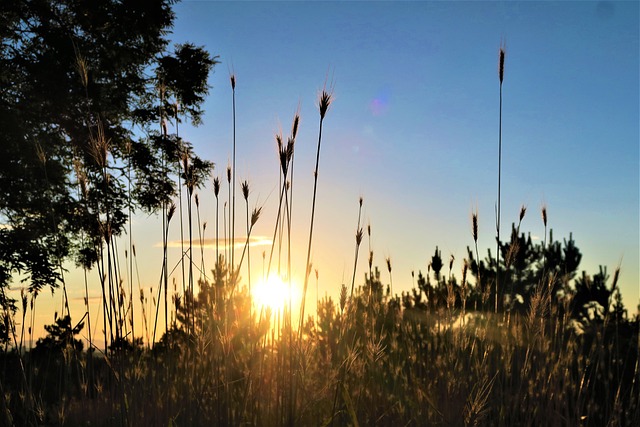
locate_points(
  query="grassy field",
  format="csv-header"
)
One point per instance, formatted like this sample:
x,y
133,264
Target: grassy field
x,y
529,343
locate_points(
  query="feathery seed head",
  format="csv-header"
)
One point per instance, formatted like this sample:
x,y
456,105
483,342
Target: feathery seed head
x,y
370,259
42,157
544,214
474,226
451,262
388,260
216,186
81,175
171,212
501,63
360,201
99,145
523,210
229,174
616,275
343,297
81,67
465,268
255,215
369,229
294,127
185,163
233,81
283,161
290,145
326,97
197,200
245,190
359,234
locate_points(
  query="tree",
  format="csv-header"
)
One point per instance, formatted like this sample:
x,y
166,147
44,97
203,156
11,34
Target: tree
x,y
74,79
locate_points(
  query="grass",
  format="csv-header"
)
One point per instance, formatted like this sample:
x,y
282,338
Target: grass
x,y
438,354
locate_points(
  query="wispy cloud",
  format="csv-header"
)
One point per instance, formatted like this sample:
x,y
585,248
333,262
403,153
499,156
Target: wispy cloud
x,y
239,242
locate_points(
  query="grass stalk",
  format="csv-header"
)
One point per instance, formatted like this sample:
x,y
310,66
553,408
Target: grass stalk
x,y
501,77
326,97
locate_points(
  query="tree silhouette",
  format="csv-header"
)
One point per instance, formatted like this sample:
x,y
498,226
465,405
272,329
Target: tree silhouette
x,y
74,78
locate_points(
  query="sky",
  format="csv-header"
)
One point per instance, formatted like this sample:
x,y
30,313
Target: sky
x,y
413,129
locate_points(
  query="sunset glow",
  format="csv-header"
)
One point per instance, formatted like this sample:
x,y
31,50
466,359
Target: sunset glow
x,y
274,293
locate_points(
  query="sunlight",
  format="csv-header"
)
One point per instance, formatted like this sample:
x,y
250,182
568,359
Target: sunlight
x,y
274,293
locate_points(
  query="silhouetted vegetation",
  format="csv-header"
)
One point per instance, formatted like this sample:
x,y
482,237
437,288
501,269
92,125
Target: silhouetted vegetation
x,y
520,337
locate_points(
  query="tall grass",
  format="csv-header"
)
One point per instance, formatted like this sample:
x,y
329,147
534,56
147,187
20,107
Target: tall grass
x,y
436,355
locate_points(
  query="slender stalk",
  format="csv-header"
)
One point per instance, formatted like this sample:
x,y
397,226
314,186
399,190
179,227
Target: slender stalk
x,y
233,187
245,193
165,222
182,251
129,206
216,191
501,76
326,97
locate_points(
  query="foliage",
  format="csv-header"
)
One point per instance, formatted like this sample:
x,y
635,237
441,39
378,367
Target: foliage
x,y
75,77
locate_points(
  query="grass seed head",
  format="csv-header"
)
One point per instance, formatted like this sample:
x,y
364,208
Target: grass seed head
x,y
326,97
388,260
343,297
501,63
523,211
255,215
465,268
172,211
216,186
294,127
474,225
245,190
614,283
283,161
544,215
229,174
233,81
42,157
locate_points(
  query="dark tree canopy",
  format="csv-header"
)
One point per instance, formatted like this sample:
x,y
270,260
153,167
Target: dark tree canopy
x,y
84,88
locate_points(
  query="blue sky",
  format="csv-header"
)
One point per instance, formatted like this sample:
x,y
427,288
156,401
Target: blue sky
x,y
414,125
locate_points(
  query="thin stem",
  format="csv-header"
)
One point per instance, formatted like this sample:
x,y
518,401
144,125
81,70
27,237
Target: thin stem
x,y
498,209
313,211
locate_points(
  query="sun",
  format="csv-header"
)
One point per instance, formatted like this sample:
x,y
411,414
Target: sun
x,y
274,293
